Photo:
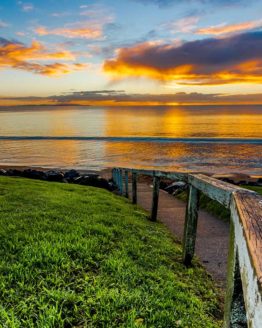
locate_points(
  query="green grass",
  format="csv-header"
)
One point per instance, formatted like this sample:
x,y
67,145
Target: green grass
x,y
213,206
75,256
209,205
254,188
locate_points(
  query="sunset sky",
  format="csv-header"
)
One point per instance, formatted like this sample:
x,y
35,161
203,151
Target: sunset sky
x,y
130,52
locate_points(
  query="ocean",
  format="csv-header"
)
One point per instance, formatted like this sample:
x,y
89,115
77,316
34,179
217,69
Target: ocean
x,y
221,139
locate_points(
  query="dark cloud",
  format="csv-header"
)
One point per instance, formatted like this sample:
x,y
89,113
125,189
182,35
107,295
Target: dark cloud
x,y
208,61
120,97
5,42
91,95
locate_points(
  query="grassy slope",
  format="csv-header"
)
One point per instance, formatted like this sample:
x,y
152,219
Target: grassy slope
x,y
74,256
214,207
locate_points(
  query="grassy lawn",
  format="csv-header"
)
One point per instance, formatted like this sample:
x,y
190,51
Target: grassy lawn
x,y
75,256
213,206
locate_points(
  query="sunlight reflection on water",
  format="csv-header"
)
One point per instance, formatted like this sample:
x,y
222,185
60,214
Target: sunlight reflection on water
x,y
165,122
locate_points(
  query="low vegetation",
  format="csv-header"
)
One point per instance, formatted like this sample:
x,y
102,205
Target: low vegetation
x,y
75,256
213,206
257,189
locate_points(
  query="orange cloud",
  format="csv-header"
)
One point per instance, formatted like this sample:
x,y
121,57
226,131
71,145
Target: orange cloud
x,y
229,28
19,56
58,69
235,59
17,51
80,31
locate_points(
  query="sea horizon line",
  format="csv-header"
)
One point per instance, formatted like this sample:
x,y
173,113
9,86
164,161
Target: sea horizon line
x,y
227,140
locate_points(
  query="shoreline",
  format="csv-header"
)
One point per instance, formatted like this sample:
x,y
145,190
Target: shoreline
x,y
235,178
46,169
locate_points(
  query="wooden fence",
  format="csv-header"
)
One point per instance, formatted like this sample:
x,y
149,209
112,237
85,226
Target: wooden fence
x,y
243,301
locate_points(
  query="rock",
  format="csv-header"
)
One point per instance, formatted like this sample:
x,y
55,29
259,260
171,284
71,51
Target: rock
x,y
93,180
14,172
77,180
34,174
164,184
234,178
176,187
112,186
178,191
2,172
71,175
228,180
252,183
81,178
54,176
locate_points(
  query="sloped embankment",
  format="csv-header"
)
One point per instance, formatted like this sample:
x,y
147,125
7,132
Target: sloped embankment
x,y
76,256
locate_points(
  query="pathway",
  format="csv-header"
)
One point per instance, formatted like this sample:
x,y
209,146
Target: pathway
x,y
212,233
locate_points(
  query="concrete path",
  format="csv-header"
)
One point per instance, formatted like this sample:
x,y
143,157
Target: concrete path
x,y
212,233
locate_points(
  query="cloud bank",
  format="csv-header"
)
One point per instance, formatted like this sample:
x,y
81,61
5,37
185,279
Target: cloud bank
x,y
121,98
234,59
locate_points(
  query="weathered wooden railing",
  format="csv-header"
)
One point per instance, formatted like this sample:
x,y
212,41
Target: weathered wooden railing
x,y
243,301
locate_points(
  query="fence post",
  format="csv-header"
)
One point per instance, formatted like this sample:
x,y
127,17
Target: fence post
x,y
134,188
126,183
234,310
114,176
117,178
190,227
156,183
120,181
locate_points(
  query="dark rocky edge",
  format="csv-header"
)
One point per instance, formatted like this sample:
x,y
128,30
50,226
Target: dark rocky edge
x,y
71,176
94,179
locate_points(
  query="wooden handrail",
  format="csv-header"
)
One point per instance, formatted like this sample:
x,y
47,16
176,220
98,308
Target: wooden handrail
x,y
246,221
244,274
213,188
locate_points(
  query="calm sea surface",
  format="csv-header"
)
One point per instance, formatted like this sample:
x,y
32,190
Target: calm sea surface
x,y
207,138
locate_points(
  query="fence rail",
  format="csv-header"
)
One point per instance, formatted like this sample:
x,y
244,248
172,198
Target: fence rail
x,y
243,302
